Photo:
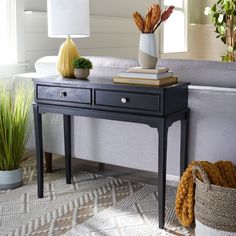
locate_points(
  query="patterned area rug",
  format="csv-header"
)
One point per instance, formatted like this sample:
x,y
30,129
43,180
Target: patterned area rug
x,y
91,205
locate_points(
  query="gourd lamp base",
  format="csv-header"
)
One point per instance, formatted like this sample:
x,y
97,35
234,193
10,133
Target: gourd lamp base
x,y
67,53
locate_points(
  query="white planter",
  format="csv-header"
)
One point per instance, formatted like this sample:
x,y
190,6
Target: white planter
x,y
147,51
10,179
204,230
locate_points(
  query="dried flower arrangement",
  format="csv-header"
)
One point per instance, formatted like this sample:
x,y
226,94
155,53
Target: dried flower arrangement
x,y
154,17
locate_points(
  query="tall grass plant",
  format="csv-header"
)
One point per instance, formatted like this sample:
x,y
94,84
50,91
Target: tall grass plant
x,y
14,125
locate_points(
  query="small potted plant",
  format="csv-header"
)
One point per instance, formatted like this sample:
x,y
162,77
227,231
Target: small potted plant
x,y
82,67
14,133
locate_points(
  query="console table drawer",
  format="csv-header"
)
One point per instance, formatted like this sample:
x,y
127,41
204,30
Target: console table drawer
x,y
138,101
77,95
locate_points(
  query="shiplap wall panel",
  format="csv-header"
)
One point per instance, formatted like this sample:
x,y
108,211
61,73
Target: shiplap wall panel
x,y
119,52
114,8
32,56
37,22
114,36
110,36
113,24
96,40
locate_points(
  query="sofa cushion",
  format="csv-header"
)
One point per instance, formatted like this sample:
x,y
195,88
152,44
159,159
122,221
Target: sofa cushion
x,y
102,66
203,73
46,65
207,73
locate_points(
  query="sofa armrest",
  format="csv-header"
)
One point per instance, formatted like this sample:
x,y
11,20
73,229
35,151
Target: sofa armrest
x,y
212,88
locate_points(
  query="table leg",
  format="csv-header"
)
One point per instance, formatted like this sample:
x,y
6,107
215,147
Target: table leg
x,y
39,148
67,140
184,143
162,152
48,161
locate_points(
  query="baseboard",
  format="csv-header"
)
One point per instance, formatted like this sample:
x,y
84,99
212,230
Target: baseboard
x,y
172,179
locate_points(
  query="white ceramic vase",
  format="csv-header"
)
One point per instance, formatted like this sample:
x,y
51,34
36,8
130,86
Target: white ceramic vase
x,y
10,179
147,51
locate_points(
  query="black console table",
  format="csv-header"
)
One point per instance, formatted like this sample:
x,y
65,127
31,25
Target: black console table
x,y
101,98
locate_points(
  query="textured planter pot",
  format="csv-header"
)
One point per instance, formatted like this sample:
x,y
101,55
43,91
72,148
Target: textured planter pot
x,y
10,179
147,51
81,73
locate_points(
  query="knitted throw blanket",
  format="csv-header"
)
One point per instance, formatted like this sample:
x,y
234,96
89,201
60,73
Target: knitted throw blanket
x,y
221,173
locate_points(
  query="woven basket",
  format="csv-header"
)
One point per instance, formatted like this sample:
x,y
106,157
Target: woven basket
x,y
215,206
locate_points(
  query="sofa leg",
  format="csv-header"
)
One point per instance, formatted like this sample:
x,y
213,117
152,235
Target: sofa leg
x,y
48,161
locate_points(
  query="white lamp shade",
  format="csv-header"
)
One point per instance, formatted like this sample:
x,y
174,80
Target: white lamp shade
x,y
68,17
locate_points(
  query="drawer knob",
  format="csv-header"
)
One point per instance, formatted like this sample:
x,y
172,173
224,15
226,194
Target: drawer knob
x,y
124,100
63,94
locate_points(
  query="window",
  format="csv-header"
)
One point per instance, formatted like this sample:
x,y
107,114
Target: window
x,y
175,28
7,32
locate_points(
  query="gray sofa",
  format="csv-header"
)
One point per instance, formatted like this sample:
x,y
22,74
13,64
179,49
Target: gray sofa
x,y
212,100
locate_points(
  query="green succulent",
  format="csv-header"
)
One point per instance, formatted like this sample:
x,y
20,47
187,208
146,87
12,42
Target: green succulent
x,y
82,63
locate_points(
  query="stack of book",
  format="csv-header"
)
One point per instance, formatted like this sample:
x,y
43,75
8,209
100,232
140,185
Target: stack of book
x,y
155,77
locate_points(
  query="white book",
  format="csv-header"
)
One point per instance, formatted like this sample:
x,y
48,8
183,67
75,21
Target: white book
x,y
157,70
146,75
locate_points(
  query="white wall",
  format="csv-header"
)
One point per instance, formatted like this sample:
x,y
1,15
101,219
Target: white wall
x,y
113,32
207,3
121,8
196,11
110,36
202,40
114,8
202,44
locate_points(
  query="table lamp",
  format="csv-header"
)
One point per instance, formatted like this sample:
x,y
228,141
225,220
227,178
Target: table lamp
x,y
68,19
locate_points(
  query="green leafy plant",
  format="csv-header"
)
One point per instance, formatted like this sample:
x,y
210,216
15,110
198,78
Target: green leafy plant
x,y
14,126
82,63
223,17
